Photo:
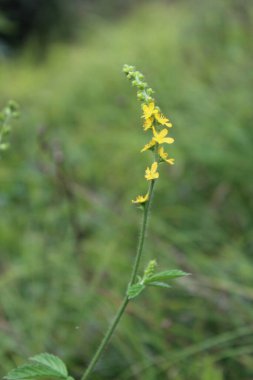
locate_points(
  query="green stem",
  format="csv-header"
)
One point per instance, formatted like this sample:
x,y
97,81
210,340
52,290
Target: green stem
x,y
105,339
142,234
123,306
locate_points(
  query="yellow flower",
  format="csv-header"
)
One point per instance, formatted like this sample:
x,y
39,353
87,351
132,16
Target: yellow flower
x,y
149,110
160,138
141,199
163,120
148,123
148,145
164,156
152,172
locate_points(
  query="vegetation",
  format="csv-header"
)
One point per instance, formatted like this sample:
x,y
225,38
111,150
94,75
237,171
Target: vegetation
x,y
6,116
38,23
67,227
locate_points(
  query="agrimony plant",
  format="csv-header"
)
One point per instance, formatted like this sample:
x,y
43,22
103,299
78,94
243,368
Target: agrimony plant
x,y
157,126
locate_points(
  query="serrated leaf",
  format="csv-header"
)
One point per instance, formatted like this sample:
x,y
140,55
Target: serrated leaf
x,y
30,371
165,276
159,284
41,366
134,290
52,362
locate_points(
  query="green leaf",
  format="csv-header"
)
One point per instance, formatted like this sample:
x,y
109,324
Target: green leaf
x,y
52,362
159,284
134,290
165,276
42,365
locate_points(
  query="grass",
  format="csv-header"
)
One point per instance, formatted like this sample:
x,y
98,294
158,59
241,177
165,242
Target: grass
x,y
67,228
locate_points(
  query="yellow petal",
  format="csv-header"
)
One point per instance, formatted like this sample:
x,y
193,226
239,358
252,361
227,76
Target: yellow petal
x,y
147,174
168,140
152,173
154,166
148,110
163,120
141,199
162,153
148,145
163,133
164,156
160,137
170,161
148,123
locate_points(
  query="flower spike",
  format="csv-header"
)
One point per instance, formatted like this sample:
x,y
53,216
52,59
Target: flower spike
x,y
154,123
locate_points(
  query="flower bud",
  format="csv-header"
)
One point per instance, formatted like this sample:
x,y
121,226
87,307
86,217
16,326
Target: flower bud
x,y
142,85
150,91
140,95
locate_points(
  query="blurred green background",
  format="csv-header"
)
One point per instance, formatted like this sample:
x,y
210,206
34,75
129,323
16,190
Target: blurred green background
x,y
68,230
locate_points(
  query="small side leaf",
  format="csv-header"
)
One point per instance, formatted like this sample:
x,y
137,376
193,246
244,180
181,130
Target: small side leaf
x,y
134,290
159,284
165,276
42,365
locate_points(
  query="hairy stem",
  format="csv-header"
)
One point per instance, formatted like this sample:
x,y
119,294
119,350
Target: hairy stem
x,y
125,301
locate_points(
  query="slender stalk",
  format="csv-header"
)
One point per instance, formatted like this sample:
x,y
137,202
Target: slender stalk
x,y
142,234
105,339
125,301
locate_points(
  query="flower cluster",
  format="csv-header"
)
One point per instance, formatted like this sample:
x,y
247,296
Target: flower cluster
x,y
153,121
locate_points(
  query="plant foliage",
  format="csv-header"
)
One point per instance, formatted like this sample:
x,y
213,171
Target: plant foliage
x,y
40,366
